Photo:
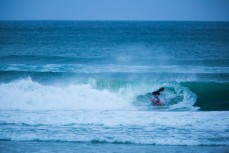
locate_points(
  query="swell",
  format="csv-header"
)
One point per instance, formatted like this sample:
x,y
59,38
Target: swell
x,y
41,59
72,59
49,76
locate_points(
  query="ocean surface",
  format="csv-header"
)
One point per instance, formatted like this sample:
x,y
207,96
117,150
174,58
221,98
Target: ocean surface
x,y
90,82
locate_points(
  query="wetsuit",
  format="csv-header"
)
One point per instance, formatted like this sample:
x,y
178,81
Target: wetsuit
x,y
156,93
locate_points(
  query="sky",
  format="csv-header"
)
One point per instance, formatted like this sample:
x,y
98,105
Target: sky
x,y
185,10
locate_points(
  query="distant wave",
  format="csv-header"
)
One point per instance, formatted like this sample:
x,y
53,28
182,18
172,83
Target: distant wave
x,y
110,68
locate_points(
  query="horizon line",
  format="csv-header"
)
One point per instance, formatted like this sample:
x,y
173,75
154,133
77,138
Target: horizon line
x,y
105,20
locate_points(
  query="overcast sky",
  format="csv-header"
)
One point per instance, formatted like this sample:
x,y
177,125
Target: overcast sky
x,y
199,10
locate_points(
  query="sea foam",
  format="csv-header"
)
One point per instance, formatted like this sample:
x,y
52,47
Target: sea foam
x,y
26,94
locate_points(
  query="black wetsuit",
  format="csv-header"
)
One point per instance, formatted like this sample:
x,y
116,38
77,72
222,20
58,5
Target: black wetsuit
x,y
156,93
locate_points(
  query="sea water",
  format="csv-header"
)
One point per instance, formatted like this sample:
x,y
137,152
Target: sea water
x,y
91,82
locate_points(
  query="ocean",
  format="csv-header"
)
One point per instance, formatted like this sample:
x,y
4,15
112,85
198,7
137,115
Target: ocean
x,y
88,84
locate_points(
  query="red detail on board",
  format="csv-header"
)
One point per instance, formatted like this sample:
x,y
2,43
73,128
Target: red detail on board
x,y
155,101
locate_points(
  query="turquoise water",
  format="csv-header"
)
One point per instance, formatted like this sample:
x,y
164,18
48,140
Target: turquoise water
x,y
80,81
32,146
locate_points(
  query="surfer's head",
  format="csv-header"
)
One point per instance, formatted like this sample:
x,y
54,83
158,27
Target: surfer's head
x,y
161,89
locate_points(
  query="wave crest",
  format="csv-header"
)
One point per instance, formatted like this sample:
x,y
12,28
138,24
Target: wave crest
x,y
26,94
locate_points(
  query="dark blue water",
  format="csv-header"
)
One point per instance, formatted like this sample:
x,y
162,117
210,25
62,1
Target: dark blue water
x,y
82,81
